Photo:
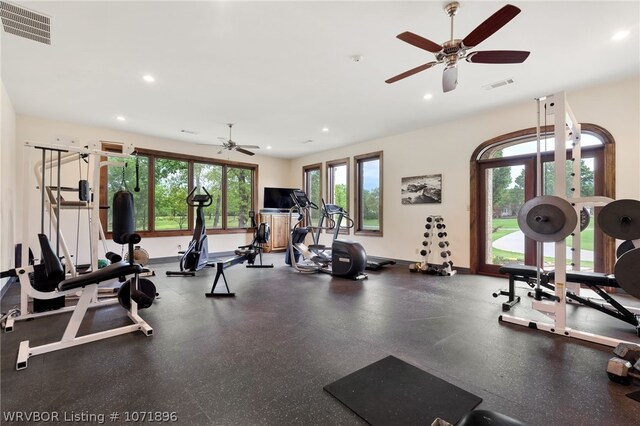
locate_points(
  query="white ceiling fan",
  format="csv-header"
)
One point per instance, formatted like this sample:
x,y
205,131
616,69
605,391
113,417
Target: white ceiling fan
x,y
230,145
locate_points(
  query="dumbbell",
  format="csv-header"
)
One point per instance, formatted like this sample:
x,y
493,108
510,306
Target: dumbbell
x,y
427,226
423,252
429,219
628,351
621,371
425,243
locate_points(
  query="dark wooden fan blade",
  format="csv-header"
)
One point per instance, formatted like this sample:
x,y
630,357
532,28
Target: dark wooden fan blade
x,y
410,72
244,151
248,146
420,42
498,57
491,25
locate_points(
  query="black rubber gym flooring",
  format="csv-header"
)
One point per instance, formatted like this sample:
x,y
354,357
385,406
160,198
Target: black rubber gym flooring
x,y
263,357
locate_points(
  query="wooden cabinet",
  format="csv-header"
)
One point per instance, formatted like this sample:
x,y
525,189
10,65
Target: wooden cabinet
x,y
279,230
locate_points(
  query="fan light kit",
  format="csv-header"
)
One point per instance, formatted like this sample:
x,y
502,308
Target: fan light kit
x,y
232,146
454,50
148,78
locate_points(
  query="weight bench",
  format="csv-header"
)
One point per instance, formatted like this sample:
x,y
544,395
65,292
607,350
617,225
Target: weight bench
x,y
596,280
593,280
524,273
87,286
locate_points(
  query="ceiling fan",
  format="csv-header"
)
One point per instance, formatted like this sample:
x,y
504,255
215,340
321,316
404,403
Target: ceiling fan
x,y
451,51
232,146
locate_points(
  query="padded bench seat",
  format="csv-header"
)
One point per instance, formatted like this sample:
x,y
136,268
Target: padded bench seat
x,y
589,278
520,270
115,270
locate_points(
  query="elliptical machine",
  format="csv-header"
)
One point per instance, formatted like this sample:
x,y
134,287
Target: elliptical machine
x,y
194,258
347,259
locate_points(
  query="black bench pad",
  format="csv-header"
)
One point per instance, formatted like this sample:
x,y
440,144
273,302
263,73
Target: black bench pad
x,y
115,270
589,278
520,270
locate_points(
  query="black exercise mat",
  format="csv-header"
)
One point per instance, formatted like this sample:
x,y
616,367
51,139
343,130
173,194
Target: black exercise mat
x,y
392,392
634,395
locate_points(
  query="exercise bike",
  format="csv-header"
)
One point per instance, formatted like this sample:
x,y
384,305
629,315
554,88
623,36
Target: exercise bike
x,y
195,257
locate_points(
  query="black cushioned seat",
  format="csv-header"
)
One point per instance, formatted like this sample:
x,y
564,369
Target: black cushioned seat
x,y
589,278
520,270
488,418
115,270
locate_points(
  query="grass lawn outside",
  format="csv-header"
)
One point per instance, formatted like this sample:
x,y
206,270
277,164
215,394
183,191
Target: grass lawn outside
x,y
506,226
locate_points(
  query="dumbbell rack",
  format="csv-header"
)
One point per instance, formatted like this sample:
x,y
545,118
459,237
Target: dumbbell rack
x,y
435,244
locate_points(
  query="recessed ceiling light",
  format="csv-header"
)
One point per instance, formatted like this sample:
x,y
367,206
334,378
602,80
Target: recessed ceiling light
x,y
620,35
428,96
325,129
120,118
268,146
148,78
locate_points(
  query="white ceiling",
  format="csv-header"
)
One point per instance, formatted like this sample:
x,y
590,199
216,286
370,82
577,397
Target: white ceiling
x,y
281,71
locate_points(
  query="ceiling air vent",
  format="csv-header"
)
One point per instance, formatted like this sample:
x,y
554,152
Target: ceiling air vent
x,y
498,84
25,23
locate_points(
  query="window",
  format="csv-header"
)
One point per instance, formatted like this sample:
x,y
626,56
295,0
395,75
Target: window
x,y
369,194
238,197
504,178
338,187
209,176
312,185
116,181
166,179
171,181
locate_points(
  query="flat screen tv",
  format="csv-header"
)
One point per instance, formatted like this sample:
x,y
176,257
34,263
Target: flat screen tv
x,y
278,198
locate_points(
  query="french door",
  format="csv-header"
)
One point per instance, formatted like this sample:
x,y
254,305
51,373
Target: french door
x,y
505,184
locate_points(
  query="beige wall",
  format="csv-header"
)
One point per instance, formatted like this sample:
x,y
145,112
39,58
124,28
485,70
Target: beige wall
x,y
443,148
8,188
272,172
447,147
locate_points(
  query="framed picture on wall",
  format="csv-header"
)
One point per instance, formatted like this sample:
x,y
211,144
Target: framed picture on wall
x,y
425,189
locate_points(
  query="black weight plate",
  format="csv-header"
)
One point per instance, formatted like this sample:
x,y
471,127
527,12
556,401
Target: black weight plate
x,y
624,247
585,219
547,218
627,272
124,293
621,219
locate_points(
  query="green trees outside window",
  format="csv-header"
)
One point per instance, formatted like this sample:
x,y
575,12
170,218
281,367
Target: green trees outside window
x,y
140,199
238,197
171,188
165,179
209,176
369,193
313,188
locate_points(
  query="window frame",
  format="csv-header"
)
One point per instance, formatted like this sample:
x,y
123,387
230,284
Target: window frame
x,y
305,181
191,160
358,161
606,172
